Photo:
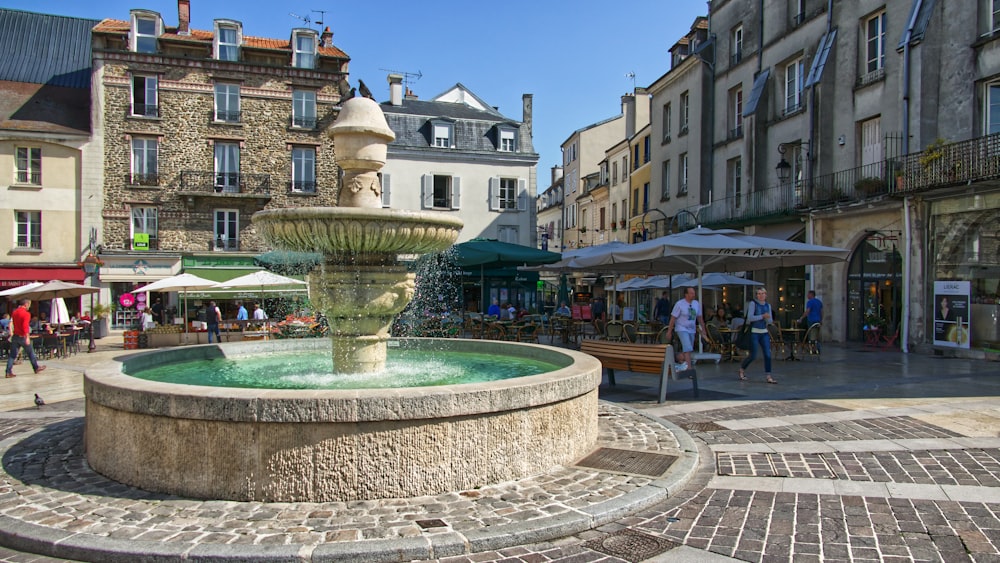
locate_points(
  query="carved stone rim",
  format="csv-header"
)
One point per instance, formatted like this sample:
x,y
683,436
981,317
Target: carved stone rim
x,y
422,218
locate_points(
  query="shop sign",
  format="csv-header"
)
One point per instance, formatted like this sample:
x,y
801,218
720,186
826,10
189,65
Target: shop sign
x,y
126,300
951,314
140,241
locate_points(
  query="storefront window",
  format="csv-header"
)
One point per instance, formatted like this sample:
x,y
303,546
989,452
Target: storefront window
x,y
965,246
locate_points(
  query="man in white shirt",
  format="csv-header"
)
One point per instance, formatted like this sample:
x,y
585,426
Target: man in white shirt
x,y
258,313
687,317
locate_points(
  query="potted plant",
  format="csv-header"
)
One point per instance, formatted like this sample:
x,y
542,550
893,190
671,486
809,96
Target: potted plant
x,y
622,223
100,317
869,186
583,229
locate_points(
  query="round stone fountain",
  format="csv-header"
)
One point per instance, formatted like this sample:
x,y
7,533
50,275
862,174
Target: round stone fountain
x,y
335,445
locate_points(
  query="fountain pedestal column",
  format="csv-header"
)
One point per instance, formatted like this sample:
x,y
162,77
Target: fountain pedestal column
x,y
359,302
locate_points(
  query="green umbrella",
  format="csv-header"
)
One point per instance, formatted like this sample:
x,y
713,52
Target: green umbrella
x,y
491,253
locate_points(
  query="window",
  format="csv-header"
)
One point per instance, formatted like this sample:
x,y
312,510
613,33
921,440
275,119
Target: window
x,y
635,156
799,15
144,162
666,123
614,213
442,135
996,15
793,86
227,229
602,219
624,210
685,103
614,166
635,201
144,96
228,43
384,180
29,229
645,149
507,233
28,161
305,51
507,141
736,112
665,187
440,191
734,175
992,107
145,35
737,44
645,197
508,194
227,103
144,222
875,43
682,188
304,169
227,167
624,167
304,109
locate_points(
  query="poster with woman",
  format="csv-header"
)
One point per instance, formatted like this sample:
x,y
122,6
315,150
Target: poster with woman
x,y
951,313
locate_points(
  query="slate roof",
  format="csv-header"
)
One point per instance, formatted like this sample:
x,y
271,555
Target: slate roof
x,y
45,49
202,36
474,129
451,110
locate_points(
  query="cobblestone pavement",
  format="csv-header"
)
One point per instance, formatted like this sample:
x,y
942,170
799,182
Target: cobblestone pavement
x,y
862,457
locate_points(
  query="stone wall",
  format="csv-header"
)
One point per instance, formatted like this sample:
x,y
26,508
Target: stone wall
x,y
187,134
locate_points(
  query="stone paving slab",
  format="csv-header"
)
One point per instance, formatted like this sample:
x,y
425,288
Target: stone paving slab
x,y
52,502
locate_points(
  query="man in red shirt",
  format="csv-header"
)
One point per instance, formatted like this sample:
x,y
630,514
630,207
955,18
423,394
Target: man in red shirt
x,y
21,337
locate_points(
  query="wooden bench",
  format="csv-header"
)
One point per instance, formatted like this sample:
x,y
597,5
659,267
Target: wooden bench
x,y
656,359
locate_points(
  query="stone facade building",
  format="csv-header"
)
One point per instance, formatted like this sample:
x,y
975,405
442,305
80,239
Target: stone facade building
x,y
201,129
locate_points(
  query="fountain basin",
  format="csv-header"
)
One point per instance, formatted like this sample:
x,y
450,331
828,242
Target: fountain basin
x,y
337,445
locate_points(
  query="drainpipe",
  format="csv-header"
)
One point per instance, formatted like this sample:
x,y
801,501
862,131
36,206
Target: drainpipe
x,y
906,75
711,105
904,342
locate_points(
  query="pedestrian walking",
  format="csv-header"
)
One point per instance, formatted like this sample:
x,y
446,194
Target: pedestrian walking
x,y
758,314
213,316
687,317
20,338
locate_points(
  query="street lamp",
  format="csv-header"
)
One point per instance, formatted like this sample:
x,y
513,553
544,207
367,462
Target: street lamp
x,y
90,264
783,169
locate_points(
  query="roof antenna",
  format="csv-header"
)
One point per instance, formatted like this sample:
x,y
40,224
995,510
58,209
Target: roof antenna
x,y
408,77
631,75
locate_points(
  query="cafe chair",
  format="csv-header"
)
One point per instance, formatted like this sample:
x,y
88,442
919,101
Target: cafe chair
x,y
890,339
810,341
778,346
630,333
614,331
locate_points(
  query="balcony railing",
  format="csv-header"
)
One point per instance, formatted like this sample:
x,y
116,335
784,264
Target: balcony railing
x,y
938,166
736,57
226,244
225,183
142,179
736,132
304,122
227,116
145,110
302,187
25,177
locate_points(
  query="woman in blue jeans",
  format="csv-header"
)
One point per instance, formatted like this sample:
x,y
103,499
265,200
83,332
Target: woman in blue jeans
x,y
758,316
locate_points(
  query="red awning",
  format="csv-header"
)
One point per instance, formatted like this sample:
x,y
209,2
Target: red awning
x,y
13,277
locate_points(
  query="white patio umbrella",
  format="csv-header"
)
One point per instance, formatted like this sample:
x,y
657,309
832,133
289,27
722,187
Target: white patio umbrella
x,y
52,290
715,280
260,279
706,250
181,283
58,313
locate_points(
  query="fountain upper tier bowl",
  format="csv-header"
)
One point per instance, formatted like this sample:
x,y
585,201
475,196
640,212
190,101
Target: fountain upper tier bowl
x,y
357,230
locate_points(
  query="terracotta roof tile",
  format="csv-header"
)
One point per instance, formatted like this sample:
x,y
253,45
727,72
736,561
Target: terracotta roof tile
x,y
119,26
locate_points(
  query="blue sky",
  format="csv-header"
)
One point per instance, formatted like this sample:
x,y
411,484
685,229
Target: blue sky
x,y
573,56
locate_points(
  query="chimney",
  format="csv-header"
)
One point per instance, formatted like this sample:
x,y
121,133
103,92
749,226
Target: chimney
x,y
628,108
557,174
526,119
410,95
326,39
183,17
395,89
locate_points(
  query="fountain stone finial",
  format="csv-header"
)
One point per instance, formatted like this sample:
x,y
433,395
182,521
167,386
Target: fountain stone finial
x,y
360,286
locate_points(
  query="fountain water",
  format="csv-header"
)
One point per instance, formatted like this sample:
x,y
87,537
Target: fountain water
x,y
326,445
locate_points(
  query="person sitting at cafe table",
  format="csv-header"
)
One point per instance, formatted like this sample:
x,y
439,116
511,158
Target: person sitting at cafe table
x,y
563,309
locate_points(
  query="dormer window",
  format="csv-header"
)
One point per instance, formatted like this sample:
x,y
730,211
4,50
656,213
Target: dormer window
x,y
442,134
304,46
508,140
227,41
146,27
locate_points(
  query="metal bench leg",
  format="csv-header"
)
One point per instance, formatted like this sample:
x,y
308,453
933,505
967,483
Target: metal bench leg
x,y
611,377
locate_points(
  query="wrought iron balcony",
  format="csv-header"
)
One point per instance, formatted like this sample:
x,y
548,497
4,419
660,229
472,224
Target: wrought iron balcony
x,y
302,187
226,244
146,110
303,122
736,57
225,184
941,165
227,116
25,177
142,179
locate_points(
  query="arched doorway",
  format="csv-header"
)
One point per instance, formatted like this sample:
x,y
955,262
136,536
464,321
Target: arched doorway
x,y
874,276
